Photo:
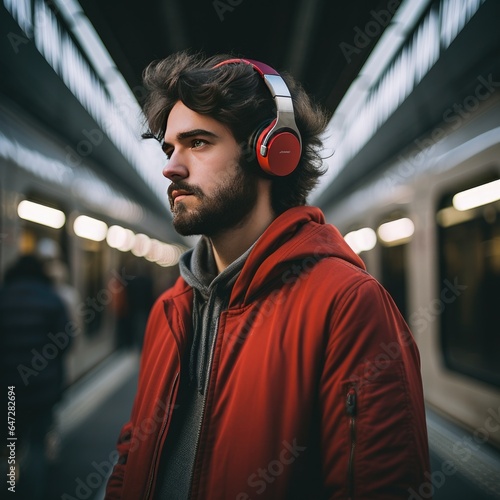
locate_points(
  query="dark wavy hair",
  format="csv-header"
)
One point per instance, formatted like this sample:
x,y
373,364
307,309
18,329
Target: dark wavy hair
x,y
236,96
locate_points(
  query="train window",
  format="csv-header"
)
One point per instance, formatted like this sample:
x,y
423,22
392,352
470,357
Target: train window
x,y
394,234
393,275
92,233
93,286
43,228
469,253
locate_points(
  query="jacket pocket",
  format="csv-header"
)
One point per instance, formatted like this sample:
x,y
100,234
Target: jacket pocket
x,y
378,452
350,405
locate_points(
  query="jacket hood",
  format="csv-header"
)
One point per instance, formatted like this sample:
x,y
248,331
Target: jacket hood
x,y
300,234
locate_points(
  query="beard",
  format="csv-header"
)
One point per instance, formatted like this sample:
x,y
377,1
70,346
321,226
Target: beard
x,y
226,208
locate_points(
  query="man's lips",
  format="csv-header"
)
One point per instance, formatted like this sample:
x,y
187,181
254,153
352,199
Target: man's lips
x,y
179,194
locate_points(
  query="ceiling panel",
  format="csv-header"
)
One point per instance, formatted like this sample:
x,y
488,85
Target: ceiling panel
x,y
322,43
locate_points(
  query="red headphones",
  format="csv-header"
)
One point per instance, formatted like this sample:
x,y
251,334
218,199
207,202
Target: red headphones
x,y
278,146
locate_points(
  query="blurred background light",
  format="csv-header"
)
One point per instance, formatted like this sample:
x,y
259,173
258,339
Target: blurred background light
x,y
396,231
477,196
154,252
362,240
120,238
90,228
170,255
41,214
141,245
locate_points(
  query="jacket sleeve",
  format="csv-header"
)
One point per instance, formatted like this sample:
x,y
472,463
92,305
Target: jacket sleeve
x,y
372,409
115,482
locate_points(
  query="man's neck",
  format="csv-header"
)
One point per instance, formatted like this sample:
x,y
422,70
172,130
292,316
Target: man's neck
x,y
229,245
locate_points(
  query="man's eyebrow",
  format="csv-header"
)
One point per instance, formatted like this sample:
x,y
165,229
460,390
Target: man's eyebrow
x,y
190,133
195,132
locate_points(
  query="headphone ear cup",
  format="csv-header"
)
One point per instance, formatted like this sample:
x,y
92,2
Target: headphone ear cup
x,y
283,151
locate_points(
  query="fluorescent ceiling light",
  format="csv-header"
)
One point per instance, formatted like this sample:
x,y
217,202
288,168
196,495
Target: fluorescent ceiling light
x,y
477,196
41,214
362,240
120,238
170,255
89,228
142,245
396,230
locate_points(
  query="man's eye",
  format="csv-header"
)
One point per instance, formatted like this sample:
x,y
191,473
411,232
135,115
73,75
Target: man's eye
x,y
197,143
167,150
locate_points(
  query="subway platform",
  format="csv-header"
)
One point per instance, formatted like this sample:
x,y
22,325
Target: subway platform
x,y
94,410
89,421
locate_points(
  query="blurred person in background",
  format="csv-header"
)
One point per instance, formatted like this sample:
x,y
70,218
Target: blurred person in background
x,y
276,367
57,270
131,305
33,341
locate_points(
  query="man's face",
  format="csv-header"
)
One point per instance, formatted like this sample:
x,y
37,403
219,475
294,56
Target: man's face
x,y
210,193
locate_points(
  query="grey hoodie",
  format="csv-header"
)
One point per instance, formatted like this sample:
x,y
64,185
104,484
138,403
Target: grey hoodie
x,y
211,296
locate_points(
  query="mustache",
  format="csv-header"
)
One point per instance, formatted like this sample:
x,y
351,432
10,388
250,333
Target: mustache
x,y
184,186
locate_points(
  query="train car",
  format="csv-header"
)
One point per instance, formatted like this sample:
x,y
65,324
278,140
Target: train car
x,y
427,225
108,253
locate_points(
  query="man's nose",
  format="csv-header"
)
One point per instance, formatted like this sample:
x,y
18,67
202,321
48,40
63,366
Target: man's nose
x,y
175,168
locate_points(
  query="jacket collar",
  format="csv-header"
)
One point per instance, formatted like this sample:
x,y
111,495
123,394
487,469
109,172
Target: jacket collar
x,y
297,235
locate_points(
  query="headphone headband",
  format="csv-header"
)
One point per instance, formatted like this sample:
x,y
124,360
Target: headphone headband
x,y
283,131
260,67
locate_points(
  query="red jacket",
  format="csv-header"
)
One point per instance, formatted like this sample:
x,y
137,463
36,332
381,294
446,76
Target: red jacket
x,y
315,388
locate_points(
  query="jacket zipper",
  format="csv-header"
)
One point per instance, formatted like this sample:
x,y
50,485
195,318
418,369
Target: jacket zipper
x,y
205,397
197,445
351,402
162,431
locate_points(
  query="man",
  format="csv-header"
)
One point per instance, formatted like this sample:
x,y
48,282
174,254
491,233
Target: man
x,y
276,367
31,366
